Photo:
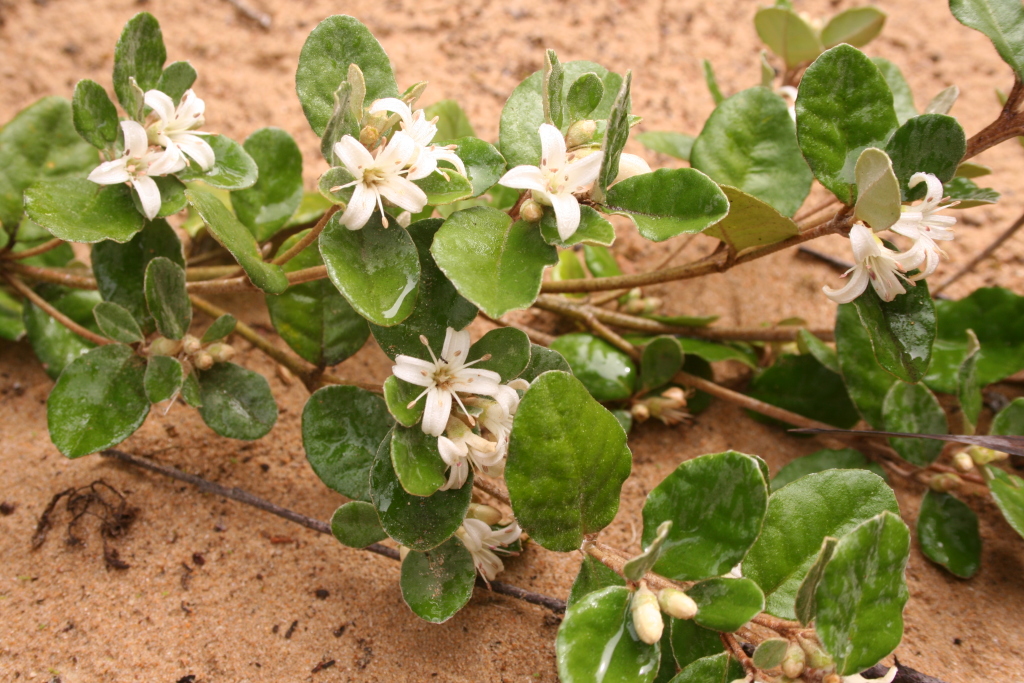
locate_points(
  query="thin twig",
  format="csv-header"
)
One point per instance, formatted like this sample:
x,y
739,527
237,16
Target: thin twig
x,y
48,308
261,18
34,251
492,488
535,335
311,237
981,255
243,284
57,276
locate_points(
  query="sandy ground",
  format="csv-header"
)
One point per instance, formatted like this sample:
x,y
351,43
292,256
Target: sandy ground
x,y
227,593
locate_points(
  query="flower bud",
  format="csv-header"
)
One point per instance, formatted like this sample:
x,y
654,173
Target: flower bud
x,y
369,136
485,513
635,293
817,658
832,678
162,346
675,394
635,306
646,615
945,482
531,211
221,352
793,662
191,344
581,133
983,456
963,461
640,412
676,603
203,360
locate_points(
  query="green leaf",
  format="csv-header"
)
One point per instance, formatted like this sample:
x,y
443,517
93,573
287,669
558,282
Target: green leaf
x,y
176,79
968,390
1008,492
221,328
826,355
452,121
345,115
860,599
140,55
749,143
968,194
901,331
878,190
266,207
438,583
972,169
677,145
484,164
1002,21
857,26
440,191
398,395
607,373
806,604
172,197
825,459
585,93
543,359
94,115
913,408
493,262
615,136
375,268
720,668
191,392
866,381
770,653
714,525
509,349
801,384
116,323
636,568
799,518
593,576
567,461
593,229
355,524
416,461
313,318
751,222
417,522
233,168
712,82
98,401
55,345
120,269
167,297
788,35
568,267
331,47
519,140
944,101
662,358
1010,420
668,202
691,642
600,261
597,641
844,106
902,96
947,531
163,379
930,143
79,210
237,402
342,428
713,353
725,604
552,89
29,235
39,143
12,328
236,238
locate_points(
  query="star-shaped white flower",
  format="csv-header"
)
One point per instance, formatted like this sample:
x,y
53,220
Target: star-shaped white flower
x,y
558,178
423,132
923,225
444,378
461,448
178,128
481,541
137,166
376,179
875,263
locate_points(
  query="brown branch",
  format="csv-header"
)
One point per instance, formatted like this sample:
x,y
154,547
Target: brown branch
x,y
615,560
243,284
34,251
558,305
313,235
806,212
981,256
492,488
1008,125
48,308
57,276
535,335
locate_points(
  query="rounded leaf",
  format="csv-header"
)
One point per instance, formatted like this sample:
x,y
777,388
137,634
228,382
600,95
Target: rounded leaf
x,y
948,533
825,459
355,524
233,168
266,207
913,408
668,202
167,298
438,583
55,345
237,402
79,210
607,373
725,604
164,378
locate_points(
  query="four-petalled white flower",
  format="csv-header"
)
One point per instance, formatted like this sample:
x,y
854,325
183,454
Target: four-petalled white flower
x,y
922,224
875,263
461,448
177,129
137,166
557,180
422,131
444,377
481,541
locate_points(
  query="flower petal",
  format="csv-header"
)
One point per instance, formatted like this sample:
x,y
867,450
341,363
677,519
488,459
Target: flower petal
x,y
197,148
149,196
435,414
191,110
934,193
581,174
403,193
136,141
631,165
552,148
864,243
360,207
161,104
524,178
413,370
394,105
567,214
353,156
110,173
456,346
400,151
854,288
442,154
161,163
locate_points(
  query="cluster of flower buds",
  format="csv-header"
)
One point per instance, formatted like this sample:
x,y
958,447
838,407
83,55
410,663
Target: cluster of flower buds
x,y
190,352
647,608
944,482
669,406
979,456
635,303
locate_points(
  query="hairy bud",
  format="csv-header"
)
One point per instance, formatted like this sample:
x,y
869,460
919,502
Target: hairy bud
x,y
221,352
832,678
581,133
793,662
983,456
963,461
203,360
945,482
531,211
369,136
162,346
191,344
675,394
676,603
646,615
642,306
485,513
640,412
816,658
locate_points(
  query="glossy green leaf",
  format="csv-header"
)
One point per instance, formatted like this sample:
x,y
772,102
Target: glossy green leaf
x,y
190,391
441,190
585,94
770,653
1008,492
30,235
662,358
717,503
484,163
55,345
636,568
947,531
913,408
668,202
219,329
606,372
751,222
902,96
417,522
331,47
968,194
237,402
266,207
600,261
237,239
801,384
720,668
342,428
878,190
399,394
79,210
593,576
167,297
930,143
856,26
615,136
163,379
94,115
98,401
416,461
509,349
972,169
677,145
40,143
713,353
691,642
543,359
552,90
799,518
844,106
901,331
493,262
788,35
345,117
568,267
452,121
593,229
438,583
860,599
355,524
726,604
115,322
826,355
176,79
140,55
806,605
1002,21
825,459
749,143
597,641
866,381
233,169
968,390
567,461
1010,420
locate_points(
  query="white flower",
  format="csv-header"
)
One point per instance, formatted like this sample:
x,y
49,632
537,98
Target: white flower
x,y
444,377
461,448
173,127
875,264
385,177
422,132
887,678
631,165
481,541
557,178
924,226
136,167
